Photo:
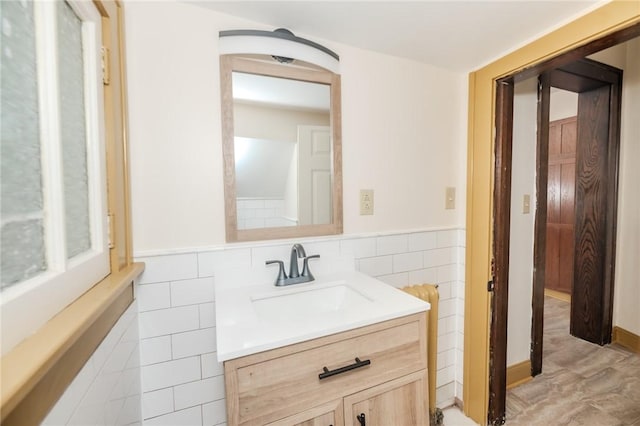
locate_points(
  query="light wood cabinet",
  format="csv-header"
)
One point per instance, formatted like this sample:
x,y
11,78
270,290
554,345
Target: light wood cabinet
x,y
398,402
324,415
378,369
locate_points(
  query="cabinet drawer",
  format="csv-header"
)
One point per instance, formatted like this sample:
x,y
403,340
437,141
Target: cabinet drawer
x,y
275,384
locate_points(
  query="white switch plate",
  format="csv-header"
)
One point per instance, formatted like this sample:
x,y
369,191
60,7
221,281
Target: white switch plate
x,y
366,201
450,198
526,204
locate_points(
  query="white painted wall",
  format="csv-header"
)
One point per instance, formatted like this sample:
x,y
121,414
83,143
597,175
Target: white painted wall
x,y
564,104
523,181
627,279
627,283
615,56
403,125
404,132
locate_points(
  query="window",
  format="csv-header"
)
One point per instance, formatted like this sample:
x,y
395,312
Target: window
x,y
54,243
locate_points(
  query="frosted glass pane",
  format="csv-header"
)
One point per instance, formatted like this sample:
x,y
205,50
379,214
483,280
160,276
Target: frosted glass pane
x,y
22,253
20,132
73,130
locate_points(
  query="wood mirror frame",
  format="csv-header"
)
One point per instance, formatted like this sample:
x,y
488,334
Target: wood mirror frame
x,y
306,72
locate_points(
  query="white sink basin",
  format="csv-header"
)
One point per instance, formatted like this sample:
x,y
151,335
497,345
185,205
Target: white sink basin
x,y
296,304
252,315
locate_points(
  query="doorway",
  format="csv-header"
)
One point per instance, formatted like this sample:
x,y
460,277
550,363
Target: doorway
x,y
610,24
561,179
591,221
594,217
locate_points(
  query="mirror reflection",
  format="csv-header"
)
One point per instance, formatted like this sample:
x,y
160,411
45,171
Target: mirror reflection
x,y
282,150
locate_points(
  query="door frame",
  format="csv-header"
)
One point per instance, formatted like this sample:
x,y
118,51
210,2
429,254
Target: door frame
x,y
606,26
585,75
501,242
581,76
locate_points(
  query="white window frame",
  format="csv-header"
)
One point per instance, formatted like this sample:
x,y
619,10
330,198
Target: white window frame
x,y
28,305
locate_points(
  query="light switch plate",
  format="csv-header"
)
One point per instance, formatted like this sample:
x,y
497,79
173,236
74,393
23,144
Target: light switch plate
x,y
366,201
526,204
450,198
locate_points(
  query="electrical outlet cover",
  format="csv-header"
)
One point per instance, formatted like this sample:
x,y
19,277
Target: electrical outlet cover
x,y
366,201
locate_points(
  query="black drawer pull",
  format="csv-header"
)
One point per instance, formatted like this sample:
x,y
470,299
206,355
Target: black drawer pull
x,y
328,373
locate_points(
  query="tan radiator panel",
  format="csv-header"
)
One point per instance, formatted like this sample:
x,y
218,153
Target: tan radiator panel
x,y
429,293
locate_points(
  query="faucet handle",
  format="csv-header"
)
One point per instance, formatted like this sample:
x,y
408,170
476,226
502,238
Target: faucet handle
x,y
281,274
305,267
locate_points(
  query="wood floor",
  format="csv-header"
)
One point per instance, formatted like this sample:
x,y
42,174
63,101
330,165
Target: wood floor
x,y
581,383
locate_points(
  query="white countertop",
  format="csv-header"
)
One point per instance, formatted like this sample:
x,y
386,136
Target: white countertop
x,y
242,328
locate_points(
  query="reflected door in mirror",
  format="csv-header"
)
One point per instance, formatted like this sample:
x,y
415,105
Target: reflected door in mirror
x,y
314,175
282,146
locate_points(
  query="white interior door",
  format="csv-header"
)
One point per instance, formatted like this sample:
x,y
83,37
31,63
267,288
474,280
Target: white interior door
x,y
314,175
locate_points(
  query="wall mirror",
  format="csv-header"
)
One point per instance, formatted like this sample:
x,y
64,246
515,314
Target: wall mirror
x,y
282,149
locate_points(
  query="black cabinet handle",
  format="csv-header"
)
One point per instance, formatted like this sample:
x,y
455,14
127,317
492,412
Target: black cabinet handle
x,y
361,419
328,373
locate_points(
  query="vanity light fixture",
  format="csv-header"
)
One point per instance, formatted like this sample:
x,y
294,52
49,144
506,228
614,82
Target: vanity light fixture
x,y
281,44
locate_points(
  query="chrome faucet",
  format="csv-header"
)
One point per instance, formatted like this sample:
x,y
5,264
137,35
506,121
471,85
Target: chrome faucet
x,y
295,277
297,251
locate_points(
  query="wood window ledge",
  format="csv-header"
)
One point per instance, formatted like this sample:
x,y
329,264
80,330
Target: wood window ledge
x,y
36,372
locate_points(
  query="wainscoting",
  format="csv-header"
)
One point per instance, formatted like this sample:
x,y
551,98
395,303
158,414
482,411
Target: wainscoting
x,y
182,381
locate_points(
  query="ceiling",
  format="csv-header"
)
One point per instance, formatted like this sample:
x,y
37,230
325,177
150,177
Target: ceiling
x,y
280,92
455,35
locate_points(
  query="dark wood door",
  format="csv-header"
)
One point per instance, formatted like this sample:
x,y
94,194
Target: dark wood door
x,y
561,205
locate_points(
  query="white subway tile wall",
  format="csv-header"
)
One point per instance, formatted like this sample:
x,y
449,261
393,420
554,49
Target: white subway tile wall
x,y
182,380
260,213
107,389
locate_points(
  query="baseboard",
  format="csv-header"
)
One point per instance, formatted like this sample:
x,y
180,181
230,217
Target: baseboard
x,y
627,339
557,295
457,402
518,374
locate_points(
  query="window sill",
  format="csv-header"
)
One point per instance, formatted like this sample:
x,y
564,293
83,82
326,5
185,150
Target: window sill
x,y
37,371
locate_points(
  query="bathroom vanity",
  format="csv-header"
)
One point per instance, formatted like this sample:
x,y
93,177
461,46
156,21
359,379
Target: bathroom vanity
x,y
342,350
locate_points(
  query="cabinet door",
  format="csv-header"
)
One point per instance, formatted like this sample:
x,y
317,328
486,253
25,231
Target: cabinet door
x,y
398,402
329,414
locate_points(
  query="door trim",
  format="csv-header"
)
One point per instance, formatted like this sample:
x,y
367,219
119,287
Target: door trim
x,y
540,230
502,216
606,26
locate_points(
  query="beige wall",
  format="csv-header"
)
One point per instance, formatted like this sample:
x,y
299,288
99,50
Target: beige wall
x,y
626,56
563,104
263,122
627,284
404,130
523,181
